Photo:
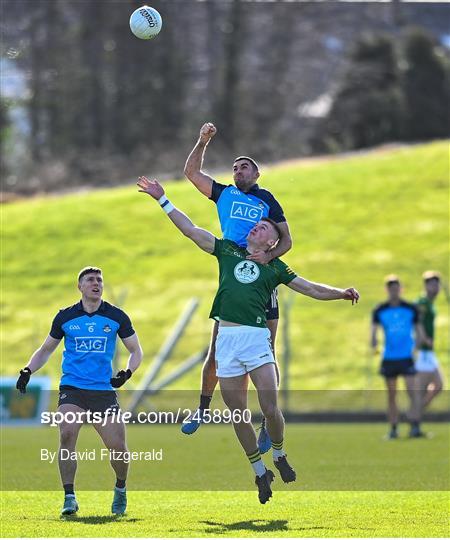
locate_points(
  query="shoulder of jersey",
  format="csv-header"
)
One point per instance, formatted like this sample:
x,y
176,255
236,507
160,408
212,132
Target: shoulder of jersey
x,y
64,310
381,305
264,191
406,304
112,307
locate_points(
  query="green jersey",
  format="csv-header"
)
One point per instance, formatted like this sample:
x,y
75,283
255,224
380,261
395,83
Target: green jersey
x,y
427,314
245,286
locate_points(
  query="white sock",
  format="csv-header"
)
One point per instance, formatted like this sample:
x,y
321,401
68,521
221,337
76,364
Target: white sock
x,y
259,467
120,489
277,454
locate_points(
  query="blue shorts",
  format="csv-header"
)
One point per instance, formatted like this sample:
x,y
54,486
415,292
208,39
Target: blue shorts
x,y
394,368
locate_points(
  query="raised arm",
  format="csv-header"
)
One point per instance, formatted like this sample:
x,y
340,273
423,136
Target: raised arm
x,y
192,169
283,246
204,239
37,360
285,242
320,291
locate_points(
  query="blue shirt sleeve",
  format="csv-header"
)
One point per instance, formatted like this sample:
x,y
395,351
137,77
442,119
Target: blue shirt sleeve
x,y
126,328
216,191
276,212
376,316
56,331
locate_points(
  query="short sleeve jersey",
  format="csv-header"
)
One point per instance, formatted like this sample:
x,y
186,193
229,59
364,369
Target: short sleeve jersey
x,y
245,286
427,314
239,211
89,343
398,325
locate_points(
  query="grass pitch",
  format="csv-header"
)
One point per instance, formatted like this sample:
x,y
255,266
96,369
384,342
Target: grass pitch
x,y
226,514
351,483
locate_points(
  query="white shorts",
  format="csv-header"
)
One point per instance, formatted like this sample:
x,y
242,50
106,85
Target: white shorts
x,y
426,361
241,349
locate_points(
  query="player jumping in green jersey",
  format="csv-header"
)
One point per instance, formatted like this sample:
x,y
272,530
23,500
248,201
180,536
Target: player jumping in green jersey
x,y
428,379
243,343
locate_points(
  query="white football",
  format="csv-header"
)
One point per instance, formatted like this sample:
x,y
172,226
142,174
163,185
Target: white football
x,y
145,22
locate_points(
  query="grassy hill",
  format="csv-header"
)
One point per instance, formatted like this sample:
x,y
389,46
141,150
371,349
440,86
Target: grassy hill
x,y
353,220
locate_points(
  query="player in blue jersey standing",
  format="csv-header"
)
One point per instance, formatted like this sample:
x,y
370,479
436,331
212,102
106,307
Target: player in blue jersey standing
x,y
90,329
400,322
240,207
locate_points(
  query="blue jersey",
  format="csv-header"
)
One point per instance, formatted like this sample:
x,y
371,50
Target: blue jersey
x,y
398,325
90,343
239,211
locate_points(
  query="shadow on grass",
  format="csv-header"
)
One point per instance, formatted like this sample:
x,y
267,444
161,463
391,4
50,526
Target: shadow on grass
x,y
254,525
98,520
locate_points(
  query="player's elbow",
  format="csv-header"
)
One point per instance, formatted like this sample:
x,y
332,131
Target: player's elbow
x,y
189,172
190,233
139,356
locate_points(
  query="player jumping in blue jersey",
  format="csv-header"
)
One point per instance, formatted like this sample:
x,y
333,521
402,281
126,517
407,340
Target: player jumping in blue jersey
x,y
240,207
90,329
400,322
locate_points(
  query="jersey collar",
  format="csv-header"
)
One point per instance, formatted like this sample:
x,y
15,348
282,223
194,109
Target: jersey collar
x,y
253,189
101,307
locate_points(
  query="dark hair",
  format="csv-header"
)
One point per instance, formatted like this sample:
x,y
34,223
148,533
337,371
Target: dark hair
x,y
88,270
274,225
252,161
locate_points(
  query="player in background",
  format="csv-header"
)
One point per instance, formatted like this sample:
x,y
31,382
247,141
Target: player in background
x,y
90,329
400,322
428,379
239,207
243,343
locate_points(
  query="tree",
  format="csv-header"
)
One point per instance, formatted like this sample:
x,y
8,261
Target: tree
x,y
426,88
368,107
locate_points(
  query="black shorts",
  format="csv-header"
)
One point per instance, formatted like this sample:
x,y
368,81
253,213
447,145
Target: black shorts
x,y
394,368
272,311
89,400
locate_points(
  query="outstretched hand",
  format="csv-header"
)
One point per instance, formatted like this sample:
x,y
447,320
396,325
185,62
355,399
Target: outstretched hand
x,y
207,132
351,294
151,187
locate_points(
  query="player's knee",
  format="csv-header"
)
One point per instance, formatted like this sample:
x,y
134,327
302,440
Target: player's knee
x,y
67,436
234,404
270,410
118,446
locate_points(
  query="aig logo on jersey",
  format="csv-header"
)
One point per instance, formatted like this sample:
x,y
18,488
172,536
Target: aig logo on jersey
x,y
247,212
90,344
246,271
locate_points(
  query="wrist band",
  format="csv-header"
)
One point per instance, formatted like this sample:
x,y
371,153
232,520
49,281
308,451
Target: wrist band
x,y
166,205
